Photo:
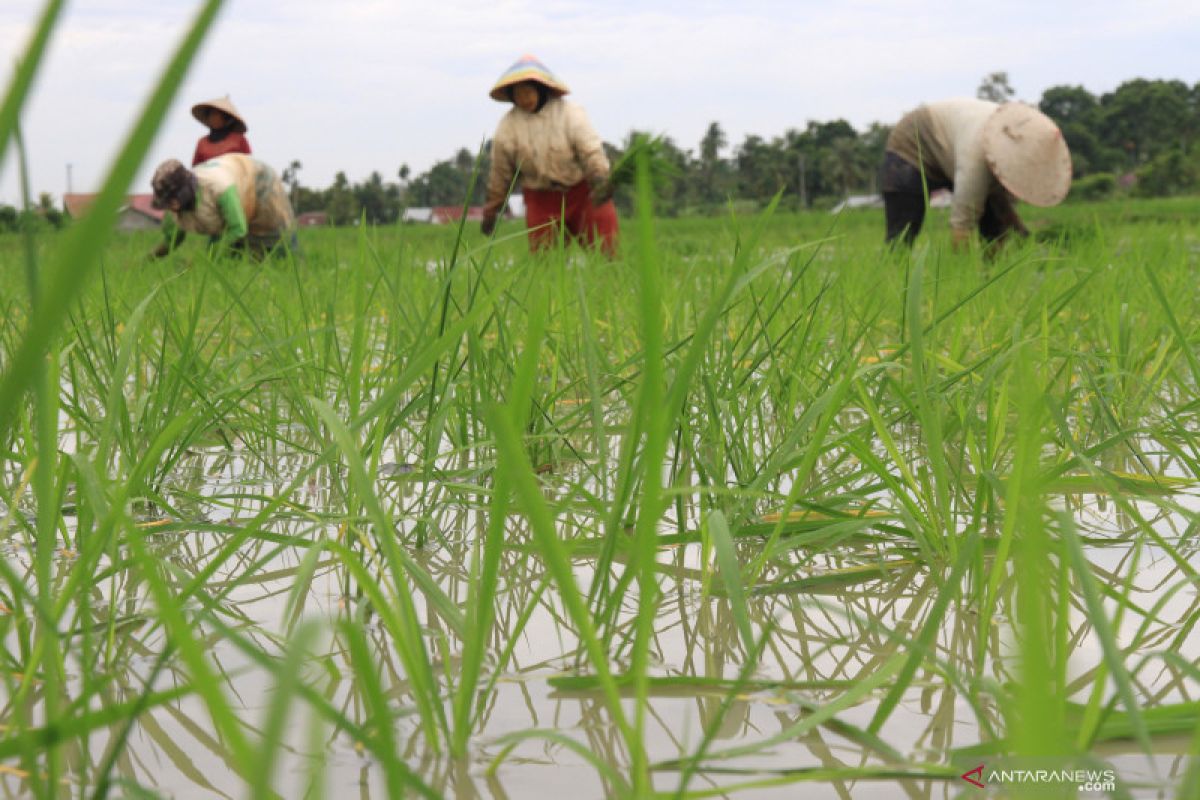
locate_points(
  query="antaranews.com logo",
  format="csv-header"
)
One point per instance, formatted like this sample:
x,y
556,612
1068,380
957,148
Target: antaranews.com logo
x,y
1084,779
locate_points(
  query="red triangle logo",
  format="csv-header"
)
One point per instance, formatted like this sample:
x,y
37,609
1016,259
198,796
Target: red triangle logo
x,y
977,780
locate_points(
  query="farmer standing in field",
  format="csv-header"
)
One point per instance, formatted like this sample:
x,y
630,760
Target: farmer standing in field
x,y
226,130
237,201
986,154
556,154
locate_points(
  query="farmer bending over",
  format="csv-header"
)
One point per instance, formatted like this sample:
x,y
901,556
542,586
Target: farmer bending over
x,y
237,201
559,159
986,154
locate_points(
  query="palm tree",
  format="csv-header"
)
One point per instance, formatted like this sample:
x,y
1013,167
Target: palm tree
x,y
291,178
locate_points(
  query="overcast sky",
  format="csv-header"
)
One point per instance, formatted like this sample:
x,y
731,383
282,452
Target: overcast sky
x,y
362,85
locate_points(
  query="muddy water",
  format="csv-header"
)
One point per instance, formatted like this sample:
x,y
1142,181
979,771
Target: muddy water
x,y
833,637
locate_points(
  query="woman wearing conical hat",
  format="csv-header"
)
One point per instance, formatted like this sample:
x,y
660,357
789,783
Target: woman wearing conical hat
x,y
987,154
226,130
548,145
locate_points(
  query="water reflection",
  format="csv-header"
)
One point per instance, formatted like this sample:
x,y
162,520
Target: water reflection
x,y
822,641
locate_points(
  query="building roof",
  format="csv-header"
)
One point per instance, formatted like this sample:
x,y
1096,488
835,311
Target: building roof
x,y
417,214
443,215
311,218
77,204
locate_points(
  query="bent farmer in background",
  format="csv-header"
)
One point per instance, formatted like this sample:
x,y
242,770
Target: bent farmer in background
x,y
985,153
237,201
556,154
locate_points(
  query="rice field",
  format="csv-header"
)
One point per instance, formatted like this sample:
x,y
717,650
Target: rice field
x,y
757,504
758,508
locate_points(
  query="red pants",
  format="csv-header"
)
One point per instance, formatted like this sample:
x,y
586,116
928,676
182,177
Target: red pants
x,y
546,210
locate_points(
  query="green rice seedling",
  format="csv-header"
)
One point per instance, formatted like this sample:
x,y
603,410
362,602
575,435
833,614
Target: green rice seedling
x,y
80,252
755,504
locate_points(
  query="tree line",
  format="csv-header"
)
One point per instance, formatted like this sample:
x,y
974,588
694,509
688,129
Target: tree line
x,y
1140,138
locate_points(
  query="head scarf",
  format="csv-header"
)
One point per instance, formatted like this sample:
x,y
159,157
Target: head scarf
x,y
173,181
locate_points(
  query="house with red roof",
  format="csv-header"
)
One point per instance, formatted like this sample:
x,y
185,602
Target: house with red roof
x,y
138,213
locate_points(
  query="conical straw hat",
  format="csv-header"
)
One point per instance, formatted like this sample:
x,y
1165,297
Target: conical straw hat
x,y
220,104
1026,152
527,68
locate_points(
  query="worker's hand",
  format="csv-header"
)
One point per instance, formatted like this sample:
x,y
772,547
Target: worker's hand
x,y
488,224
960,239
161,251
601,191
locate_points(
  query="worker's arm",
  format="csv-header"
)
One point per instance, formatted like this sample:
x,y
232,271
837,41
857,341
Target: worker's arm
x,y
230,206
972,180
500,178
172,235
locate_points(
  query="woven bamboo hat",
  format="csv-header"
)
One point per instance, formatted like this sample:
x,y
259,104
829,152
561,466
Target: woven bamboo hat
x,y
527,68
1026,152
221,104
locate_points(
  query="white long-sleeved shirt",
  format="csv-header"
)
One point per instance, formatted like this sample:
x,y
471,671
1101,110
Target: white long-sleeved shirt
x,y
554,148
948,136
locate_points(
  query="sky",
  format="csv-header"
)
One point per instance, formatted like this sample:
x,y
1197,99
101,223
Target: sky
x,y
366,85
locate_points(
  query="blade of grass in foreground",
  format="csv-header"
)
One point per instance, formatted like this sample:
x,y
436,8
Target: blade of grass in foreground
x,y
27,67
651,505
731,576
820,715
273,730
409,640
1036,719
514,461
485,566
929,631
80,254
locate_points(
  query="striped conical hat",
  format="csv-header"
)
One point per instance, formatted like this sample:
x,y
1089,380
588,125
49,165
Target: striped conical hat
x,y
1026,152
527,68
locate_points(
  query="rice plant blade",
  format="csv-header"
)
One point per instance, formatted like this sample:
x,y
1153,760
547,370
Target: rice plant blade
x,y
1113,657
80,253
731,577
287,679
510,742
26,70
515,462
920,648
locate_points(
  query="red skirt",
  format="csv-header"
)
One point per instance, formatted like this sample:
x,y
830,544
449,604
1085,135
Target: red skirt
x,y
548,211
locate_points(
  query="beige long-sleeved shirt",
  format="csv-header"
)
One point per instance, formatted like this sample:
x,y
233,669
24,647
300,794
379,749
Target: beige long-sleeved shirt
x,y
260,193
946,137
554,148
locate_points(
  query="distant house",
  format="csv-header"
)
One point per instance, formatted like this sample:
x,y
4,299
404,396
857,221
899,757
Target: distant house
x,y
138,213
445,215
417,215
939,198
312,219
859,201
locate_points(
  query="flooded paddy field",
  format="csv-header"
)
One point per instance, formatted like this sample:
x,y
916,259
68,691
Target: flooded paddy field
x,y
757,509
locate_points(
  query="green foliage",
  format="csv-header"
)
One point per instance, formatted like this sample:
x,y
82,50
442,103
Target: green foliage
x,y
1126,129
1169,173
826,424
1097,186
